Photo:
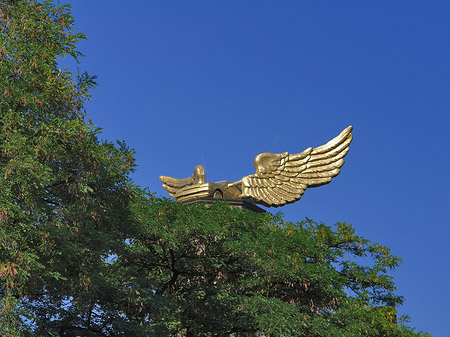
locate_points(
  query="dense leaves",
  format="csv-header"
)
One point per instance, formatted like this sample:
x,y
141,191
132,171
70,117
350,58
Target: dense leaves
x,y
64,195
83,252
215,271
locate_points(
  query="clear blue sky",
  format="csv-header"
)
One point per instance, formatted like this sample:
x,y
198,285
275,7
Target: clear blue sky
x,y
216,82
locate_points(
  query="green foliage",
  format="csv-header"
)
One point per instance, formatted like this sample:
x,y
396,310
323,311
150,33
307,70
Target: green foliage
x,y
63,206
83,252
215,271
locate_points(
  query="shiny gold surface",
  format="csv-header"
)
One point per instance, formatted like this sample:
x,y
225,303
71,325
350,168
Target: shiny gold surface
x,y
280,178
175,185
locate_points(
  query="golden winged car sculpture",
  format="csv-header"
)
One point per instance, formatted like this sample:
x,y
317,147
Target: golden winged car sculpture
x,y
280,178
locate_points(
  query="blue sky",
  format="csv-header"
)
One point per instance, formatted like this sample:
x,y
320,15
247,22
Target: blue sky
x,y
218,82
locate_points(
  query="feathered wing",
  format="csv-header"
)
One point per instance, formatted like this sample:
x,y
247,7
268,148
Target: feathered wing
x,y
282,178
172,185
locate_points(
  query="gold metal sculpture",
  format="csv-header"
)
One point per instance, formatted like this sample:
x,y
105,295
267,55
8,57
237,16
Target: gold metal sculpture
x,y
280,178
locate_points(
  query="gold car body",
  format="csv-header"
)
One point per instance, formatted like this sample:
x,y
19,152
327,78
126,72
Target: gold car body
x,y
218,190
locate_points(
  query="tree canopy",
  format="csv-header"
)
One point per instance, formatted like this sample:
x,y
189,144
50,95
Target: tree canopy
x,y
85,252
64,194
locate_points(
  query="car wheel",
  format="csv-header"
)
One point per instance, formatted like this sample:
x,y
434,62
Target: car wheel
x,y
217,194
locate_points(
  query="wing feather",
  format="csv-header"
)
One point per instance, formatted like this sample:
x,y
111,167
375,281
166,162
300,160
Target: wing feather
x,y
288,174
333,153
266,194
325,167
275,197
175,182
290,188
172,185
334,142
282,178
326,174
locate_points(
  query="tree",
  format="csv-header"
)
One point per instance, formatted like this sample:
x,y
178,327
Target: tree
x,y
84,252
64,194
215,271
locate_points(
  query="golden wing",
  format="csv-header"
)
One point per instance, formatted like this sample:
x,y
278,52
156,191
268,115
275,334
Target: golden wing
x,y
172,185
282,178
